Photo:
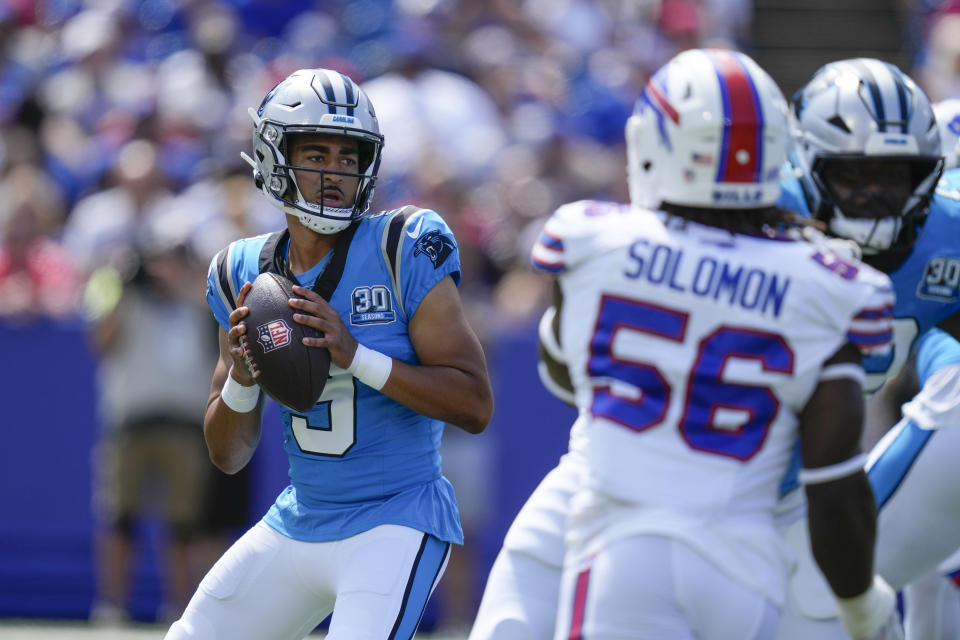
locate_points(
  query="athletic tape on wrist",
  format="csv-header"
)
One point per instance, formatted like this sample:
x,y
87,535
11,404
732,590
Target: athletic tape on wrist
x,y
833,471
862,616
370,367
843,370
238,397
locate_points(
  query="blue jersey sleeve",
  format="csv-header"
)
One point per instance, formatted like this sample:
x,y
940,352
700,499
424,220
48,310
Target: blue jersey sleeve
x,y
221,289
935,349
229,270
428,253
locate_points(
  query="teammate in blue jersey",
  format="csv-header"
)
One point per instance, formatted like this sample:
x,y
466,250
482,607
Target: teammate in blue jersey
x,y
866,163
365,527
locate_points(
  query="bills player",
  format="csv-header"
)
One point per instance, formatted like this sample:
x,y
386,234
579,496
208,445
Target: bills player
x,y
699,341
866,163
365,527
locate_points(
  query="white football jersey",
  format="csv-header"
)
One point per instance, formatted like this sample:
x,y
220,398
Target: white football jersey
x,y
692,350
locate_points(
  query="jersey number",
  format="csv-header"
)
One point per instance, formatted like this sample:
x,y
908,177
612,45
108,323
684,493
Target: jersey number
x,y
339,433
718,416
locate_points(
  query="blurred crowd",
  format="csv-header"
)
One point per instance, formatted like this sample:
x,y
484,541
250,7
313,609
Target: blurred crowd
x,y
122,122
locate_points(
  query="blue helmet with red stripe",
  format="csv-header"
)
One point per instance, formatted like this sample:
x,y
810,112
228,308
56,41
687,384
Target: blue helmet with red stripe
x,y
867,152
709,130
314,101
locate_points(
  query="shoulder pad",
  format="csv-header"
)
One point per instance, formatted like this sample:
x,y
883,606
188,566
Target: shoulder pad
x,y
569,232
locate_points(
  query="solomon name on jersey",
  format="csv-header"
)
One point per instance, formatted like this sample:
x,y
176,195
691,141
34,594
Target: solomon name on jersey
x,y
927,283
692,351
358,459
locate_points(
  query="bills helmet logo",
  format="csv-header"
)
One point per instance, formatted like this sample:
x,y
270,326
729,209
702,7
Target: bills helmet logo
x,y
435,246
273,335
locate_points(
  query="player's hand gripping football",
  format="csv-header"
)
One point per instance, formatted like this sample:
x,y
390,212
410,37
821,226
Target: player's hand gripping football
x,y
243,370
317,313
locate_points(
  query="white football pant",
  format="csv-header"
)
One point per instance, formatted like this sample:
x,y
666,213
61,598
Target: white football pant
x,y
270,586
647,587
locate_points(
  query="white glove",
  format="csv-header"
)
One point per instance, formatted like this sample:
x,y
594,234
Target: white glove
x,y
873,614
841,246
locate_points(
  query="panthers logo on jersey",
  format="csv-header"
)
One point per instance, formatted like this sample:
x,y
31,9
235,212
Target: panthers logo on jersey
x,y
435,246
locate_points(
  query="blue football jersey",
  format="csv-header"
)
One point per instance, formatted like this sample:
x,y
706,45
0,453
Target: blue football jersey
x,y
936,349
927,283
358,459
926,287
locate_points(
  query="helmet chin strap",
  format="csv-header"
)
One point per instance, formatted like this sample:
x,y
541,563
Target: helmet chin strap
x,y
318,217
325,226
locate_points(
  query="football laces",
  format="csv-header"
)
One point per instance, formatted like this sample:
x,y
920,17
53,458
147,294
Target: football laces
x,y
248,357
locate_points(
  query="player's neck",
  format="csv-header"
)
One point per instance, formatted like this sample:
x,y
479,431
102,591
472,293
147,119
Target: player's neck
x,y
307,247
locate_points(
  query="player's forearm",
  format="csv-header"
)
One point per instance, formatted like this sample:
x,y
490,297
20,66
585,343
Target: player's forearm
x,y
231,437
459,397
843,520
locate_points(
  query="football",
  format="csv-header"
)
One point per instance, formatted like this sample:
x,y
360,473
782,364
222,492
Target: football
x,y
290,372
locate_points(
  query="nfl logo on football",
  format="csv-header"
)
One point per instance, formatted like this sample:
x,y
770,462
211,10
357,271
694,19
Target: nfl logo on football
x,y
273,335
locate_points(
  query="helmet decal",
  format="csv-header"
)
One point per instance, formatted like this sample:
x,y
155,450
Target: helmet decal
x,y
267,98
329,96
655,96
741,152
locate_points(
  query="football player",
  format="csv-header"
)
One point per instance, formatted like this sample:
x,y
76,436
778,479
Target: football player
x,y
700,338
947,113
365,527
866,163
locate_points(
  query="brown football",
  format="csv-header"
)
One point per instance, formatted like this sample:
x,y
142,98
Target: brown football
x,y
290,372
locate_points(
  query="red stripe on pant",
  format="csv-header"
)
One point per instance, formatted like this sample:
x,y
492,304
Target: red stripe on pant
x,y
579,605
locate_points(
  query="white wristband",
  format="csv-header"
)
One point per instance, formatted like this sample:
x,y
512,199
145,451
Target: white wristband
x,y
238,397
370,367
832,472
862,616
849,370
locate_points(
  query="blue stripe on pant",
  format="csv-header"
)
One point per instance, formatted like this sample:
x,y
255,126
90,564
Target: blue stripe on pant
x,y
889,470
426,569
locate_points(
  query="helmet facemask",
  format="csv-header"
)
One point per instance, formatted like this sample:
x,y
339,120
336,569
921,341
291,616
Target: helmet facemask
x,y
283,185
875,200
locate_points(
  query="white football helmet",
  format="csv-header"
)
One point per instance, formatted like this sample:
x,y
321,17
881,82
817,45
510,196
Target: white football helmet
x,y
709,130
947,113
868,151
314,101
